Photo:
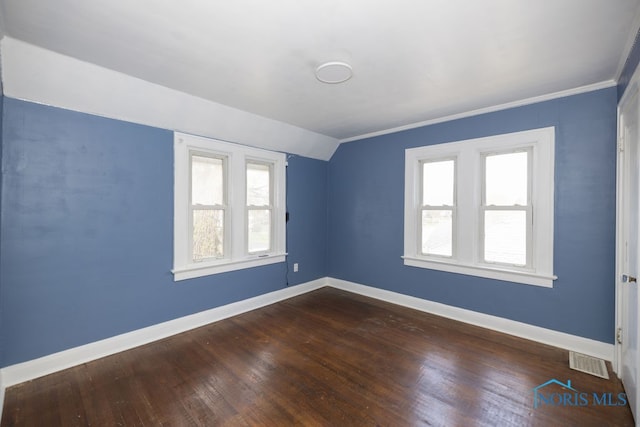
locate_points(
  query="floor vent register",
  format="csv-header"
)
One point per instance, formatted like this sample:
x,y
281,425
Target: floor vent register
x,y
590,365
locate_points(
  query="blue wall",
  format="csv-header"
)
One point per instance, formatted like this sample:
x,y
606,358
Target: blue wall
x,y
366,202
87,232
307,206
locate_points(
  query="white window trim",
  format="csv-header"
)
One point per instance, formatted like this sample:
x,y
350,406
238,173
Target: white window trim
x,y
270,207
468,154
526,208
453,208
236,256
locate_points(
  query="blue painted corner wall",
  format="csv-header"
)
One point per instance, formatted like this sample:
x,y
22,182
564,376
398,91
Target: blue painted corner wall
x,y
86,236
307,226
87,232
366,202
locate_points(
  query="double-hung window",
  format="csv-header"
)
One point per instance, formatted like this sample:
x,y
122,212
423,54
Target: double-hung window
x,y
259,207
229,207
208,205
506,212
437,208
483,207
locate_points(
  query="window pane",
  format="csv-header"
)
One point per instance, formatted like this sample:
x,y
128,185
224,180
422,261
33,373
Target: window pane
x,y
208,234
437,232
505,237
437,183
207,181
258,184
506,179
259,230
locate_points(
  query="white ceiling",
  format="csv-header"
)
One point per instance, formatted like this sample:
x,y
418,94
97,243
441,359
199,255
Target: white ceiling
x,y
413,60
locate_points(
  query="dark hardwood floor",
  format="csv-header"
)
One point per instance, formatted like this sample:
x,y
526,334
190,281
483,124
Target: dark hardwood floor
x,y
326,358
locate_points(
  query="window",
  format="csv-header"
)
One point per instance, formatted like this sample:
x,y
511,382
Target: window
x,y
229,210
437,207
506,208
259,207
208,205
483,207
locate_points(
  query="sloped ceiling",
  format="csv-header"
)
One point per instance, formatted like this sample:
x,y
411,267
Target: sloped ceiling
x,y
413,60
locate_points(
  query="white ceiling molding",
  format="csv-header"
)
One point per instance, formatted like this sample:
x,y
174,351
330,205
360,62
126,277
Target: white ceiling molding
x,y
506,106
38,75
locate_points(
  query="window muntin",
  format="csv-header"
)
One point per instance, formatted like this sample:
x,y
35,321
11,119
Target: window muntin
x,y
229,207
506,211
487,207
437,208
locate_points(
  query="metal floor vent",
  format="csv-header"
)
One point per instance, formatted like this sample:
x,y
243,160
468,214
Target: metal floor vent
x,y
590,365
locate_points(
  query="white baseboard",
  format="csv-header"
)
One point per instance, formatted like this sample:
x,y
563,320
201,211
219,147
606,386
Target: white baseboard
x,y
21,372
523,330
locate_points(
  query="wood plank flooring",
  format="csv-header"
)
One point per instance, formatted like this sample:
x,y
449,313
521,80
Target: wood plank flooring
x,y
326,358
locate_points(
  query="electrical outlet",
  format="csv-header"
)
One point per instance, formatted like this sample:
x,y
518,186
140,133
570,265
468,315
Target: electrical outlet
x,y
295,267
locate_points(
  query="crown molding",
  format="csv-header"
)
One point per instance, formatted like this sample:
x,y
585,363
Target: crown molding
x,y
491,109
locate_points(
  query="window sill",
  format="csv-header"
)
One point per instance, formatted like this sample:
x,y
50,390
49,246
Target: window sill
x,y
192,271
523,277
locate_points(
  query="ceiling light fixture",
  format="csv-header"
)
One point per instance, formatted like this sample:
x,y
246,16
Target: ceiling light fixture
x,y
334,72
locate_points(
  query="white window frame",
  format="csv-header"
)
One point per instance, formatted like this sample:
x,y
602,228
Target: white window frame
x,y
422,207
236,254
270,207
469,182
223,207
528,209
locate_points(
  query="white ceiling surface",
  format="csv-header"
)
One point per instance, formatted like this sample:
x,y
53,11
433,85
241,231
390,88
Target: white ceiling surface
x,y
413,60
